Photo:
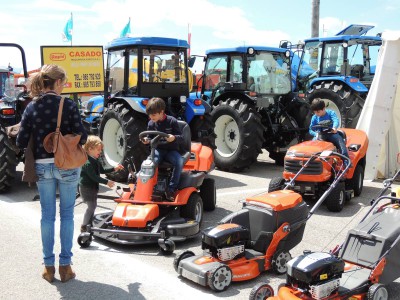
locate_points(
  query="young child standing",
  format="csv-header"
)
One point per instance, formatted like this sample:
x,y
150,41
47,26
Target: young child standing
x,y
159,121
323,114
90,178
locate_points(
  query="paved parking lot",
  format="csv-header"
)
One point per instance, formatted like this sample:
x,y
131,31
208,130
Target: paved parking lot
x,y
109,271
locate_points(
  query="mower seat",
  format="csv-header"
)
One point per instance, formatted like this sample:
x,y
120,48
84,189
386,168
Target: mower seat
x,y
184,148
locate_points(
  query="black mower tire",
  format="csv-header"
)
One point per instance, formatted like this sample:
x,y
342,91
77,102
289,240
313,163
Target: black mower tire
x,y
179,257
193,210
202,130
348,102
169,247
279,261
119,130
8,162
239,134
208,194
357,182
377,291
336,199
261,290
220,278
276,184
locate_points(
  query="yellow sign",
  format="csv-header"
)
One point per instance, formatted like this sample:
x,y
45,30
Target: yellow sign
x,y
323,276
83,64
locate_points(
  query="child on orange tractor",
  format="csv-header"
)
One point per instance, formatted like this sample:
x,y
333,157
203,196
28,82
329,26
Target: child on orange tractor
x,y
159,121
90,178
323,114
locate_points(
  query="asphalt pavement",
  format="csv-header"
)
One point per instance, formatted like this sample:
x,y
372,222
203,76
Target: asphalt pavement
x,y
110,271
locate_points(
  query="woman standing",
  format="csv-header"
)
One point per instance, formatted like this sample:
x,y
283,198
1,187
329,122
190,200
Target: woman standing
x,y
38,120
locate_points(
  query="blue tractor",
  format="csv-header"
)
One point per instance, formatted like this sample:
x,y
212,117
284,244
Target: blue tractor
x,y
138,69
253,108
338,69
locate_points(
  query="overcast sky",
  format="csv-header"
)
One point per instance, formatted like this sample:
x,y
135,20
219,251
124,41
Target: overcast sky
x,y
214,23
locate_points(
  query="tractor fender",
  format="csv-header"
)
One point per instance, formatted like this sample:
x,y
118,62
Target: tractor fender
x,y
134,103
348,80
94,106
234,95
193,110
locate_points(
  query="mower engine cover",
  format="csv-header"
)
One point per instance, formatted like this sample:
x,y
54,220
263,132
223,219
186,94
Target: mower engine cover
x,y
315,268
224,235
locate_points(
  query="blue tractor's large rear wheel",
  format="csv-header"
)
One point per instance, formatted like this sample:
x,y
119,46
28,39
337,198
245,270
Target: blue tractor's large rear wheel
x,y
345,102
239,135
119,131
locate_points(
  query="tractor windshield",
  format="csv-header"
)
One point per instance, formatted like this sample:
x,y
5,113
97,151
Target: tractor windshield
x,y
215,71
115,63
269,73
164,66
153,66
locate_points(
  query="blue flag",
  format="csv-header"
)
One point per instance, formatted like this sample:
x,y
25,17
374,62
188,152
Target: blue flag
x,y
127,29
67,34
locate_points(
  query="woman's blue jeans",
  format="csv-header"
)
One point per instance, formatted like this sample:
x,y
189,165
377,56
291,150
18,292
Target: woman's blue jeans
x,y
51,178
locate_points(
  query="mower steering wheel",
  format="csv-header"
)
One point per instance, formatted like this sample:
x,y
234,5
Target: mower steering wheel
x,y
158,135
323,128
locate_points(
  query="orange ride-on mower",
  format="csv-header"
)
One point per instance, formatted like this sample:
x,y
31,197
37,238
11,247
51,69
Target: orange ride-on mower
x,y
321,172
359,269
255,239
144,215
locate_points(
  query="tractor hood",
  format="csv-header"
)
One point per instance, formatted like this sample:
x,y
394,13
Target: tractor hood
x,y
355,29
305,149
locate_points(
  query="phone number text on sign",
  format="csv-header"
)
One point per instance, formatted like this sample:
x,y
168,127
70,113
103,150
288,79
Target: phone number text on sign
x,y
87,80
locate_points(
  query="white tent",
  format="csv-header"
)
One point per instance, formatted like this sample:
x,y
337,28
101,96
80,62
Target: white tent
x,y
380,117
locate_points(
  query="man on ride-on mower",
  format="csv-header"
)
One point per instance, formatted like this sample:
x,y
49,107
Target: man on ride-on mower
x,y
159,121
323,114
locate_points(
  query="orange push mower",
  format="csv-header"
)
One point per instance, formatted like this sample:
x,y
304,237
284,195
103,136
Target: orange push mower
x,y
143,215
256,238
359,269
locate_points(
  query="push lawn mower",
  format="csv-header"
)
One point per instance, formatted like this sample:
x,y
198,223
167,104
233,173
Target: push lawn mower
x,y
358,269
143,213
321,173
256,238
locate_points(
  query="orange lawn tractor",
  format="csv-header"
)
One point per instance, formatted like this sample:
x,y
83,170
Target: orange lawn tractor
x,y
144,215
256,238
358,269
320,174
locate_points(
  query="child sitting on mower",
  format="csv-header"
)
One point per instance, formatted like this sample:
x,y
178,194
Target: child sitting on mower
x,y
323,114
159,121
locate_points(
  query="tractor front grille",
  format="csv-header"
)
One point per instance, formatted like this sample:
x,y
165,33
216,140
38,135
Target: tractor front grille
x,y
294,165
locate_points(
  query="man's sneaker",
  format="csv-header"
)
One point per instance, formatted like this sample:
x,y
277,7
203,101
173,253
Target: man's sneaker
x,y
170,195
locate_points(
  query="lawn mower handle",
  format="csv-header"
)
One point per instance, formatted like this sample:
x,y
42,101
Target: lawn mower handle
x,y
326,193
334,183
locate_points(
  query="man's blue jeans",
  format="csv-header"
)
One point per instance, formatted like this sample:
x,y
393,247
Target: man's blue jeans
x,y
50,177
175,158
